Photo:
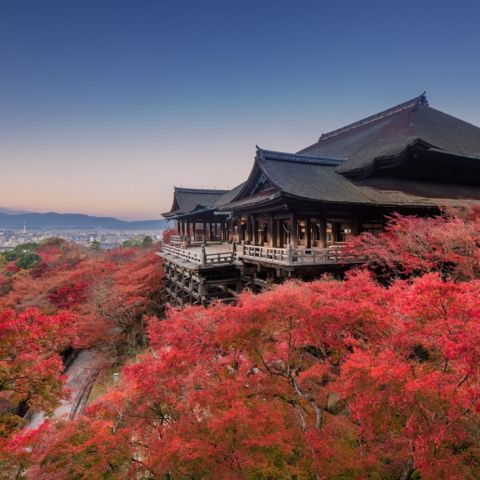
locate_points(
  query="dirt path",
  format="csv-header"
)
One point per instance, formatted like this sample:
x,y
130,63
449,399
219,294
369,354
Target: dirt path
x,y
80,377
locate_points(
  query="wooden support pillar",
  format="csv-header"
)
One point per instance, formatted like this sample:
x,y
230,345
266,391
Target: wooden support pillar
x,y
202,292
254,230
323,233
290,254
308,232
294,231
272,234
336,235
355,225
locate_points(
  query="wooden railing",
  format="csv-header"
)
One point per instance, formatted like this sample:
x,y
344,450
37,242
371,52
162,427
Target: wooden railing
x,y
202,258
219,258
268,253
197,240
183,253
175,239
333,254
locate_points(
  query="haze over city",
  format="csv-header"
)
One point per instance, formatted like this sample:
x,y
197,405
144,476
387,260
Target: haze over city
x,y
104,106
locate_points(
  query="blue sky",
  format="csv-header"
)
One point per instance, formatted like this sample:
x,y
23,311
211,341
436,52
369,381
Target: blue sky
x,y
105,105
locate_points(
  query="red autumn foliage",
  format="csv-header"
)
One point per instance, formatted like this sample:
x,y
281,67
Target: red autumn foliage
x,y
340,379
333,379
30,364
449,244
109,292
167,234
69,297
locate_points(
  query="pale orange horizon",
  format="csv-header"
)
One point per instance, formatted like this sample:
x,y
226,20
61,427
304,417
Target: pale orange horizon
x,y
130,172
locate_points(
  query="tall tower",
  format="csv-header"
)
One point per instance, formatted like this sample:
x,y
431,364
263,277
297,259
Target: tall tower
x,y
24,228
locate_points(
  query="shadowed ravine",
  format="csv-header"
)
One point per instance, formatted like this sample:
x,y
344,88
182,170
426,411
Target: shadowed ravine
x,y
80,377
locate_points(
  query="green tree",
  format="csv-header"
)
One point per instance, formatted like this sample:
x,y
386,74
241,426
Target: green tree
x,y
95,246
28,261
147,241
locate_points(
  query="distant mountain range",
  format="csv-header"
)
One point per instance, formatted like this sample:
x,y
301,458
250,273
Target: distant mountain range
x,y
72,221
12,211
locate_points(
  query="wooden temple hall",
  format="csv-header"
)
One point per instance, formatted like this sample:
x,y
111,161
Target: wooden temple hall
x,y
292,215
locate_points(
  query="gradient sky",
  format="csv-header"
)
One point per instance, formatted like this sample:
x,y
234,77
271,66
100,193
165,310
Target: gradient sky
x,y
106,104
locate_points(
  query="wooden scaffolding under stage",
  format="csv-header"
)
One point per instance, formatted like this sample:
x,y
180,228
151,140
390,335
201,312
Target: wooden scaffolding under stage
x,y
218,272
199,276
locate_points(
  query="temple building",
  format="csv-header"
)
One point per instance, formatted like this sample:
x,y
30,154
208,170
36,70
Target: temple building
x,y
196,215
292,215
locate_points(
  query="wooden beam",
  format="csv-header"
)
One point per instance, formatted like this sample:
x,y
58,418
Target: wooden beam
x,y
294,231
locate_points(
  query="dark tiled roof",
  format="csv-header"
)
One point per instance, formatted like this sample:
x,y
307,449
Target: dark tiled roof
x,y
227,197
390,132
250,201
321,182
315,181
188,199
330,170
377,187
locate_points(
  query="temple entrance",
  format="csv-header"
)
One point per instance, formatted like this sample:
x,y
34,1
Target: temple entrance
x,y
338,232
318,234
242,230
263,232
302,233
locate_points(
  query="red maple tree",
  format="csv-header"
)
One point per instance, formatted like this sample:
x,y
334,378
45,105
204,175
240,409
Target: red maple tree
x,y
332,379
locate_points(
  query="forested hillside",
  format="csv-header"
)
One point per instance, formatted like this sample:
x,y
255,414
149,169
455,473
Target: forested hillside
x,y
57,297
374,376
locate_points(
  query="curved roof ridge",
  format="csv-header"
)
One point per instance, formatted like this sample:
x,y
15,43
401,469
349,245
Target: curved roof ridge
x,y
414,102
263,154
200,190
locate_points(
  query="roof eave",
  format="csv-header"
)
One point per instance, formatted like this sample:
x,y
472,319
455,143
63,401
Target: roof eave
x,y
453,154
359,204
231,207
385,161
289,196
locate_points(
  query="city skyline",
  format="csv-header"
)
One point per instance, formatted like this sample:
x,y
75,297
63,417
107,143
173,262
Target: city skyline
x,y
105,106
